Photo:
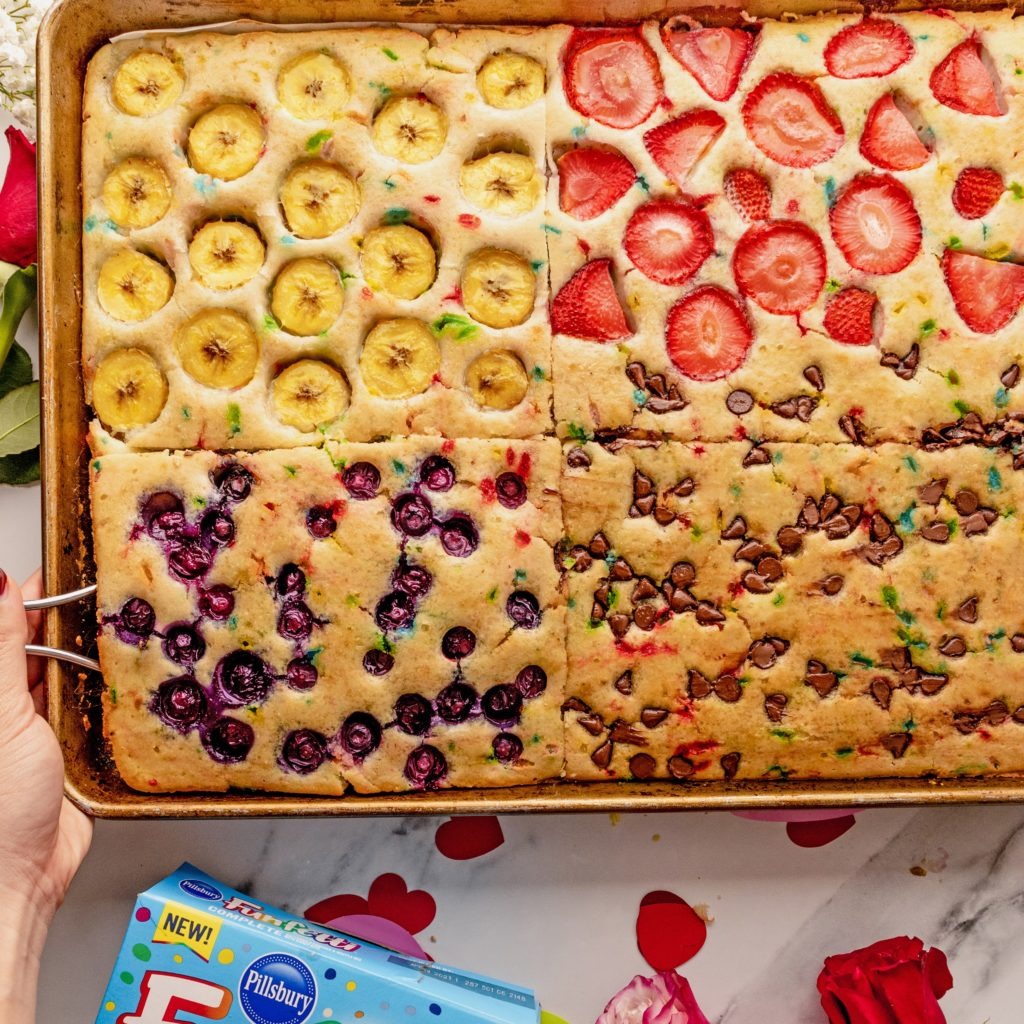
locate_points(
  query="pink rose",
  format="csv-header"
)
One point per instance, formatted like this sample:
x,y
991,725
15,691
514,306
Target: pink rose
x,y
664,999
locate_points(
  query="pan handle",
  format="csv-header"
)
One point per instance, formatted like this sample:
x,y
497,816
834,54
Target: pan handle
x,y
42,603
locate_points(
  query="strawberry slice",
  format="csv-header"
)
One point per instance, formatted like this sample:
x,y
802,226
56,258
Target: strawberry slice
x,y
749,194
976,191
677,145
987,293
588,306
592,179
707,333
715,57
789,120
612,77
875,225
869,49
849,316
963,82
890,140
668,240
780,265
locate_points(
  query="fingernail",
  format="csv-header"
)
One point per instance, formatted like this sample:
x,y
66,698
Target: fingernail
x,y
3,582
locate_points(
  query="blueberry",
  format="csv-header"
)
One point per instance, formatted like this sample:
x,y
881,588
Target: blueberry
x,y
437,473
455,702
217,528
301,674
233,480
532,681
459,537
303,751
135,622
295,621
412,515
378,663
361,480
360,734
458,642
217,602
413,714
243,678
502,704
523,609
180,703
507,747
291,580
510,489
228,740
183,644
320,521
189,561
164,516
426,767
394,611
411,579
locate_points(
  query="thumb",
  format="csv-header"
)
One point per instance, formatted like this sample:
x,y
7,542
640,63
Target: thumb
x,y
15,702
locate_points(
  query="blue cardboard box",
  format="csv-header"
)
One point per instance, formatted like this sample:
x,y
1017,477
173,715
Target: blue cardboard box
x,y
197,950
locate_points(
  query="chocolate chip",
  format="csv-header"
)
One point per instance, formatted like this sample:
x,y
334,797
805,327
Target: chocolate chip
x,y
681,600
684,488
996,713
931,493
680,767
603,595
637,375
750,551
598,612
624,684
730,764
653,717
736,529
820,679
766,651
896,743
578,458
852,428
930,683
790,538
645,616
592,723
809,514
1018,715
786,408
581,560
708,614
1010,376
663,516
644,589
698,685
966,502
975,524
642,506
903,366
620,570
756,583
805,406
770,568
619,623
739,403
727,688
575,704
829,505
880,527
837,527
896,658
881,690
602,757
936,531
663,405
656,384
814,377
599,546
775,706
642,766
968,611
832,584
953,646
623,732
682,574
757,456
965,721
642,484
1017,643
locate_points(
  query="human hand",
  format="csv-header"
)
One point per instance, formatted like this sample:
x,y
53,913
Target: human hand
x,y
43,836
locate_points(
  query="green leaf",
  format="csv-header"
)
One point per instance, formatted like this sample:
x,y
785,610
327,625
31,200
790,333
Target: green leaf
x,y
17,371
19,420
19,469
19,294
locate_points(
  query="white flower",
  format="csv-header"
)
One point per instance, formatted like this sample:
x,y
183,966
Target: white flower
x,y
19,22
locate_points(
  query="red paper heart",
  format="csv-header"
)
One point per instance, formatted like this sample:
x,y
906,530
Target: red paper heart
x,y
810,834
389,897
668,930
466,838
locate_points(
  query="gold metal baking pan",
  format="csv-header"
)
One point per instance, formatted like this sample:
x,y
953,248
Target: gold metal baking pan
x,y
70,34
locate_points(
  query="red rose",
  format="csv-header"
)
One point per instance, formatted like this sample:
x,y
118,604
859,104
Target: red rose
x,y
18,202
895,981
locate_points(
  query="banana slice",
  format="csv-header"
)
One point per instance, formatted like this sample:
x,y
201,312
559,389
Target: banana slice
x,y
503,183
314,87
132,286
498,288
410,129
307,296
147,83
136,193
510,81
226,142
398,260
399,358
497,380
129,390
318,198
225,254
309,394
218,348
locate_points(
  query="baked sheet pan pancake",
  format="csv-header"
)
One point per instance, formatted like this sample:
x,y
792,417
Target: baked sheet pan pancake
x,y
71,33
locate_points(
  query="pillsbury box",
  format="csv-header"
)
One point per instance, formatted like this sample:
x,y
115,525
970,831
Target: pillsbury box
x,y
197,951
